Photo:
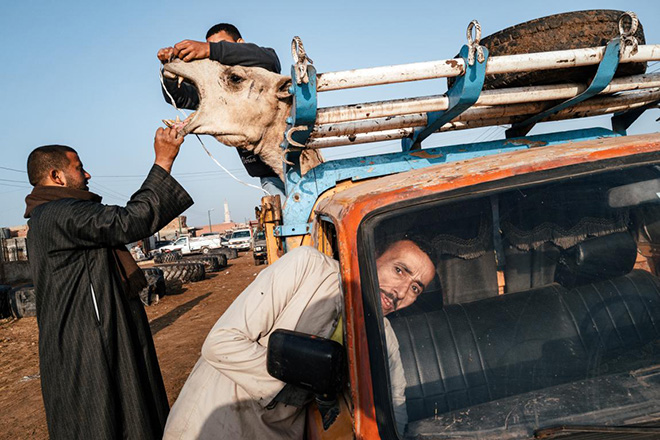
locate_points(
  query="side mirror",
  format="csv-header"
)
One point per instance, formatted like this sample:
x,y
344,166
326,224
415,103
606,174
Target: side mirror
x,y
307,361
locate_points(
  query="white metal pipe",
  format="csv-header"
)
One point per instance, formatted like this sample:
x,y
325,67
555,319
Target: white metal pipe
x,y
348,79
510,95
474,113
474,118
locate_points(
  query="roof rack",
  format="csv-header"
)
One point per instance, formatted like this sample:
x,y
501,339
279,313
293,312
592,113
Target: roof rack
x,y
464,106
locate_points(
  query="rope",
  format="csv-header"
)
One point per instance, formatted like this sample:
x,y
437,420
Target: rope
x,y
628,36
300,59
162,82
474,44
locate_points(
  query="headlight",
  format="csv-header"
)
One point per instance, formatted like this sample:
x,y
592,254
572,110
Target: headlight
x,y
258,248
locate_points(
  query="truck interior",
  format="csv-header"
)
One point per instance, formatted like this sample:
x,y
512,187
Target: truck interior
x,y
545,309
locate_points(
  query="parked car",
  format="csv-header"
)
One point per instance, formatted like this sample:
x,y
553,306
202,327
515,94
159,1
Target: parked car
x,y
241,239
187,245
259,250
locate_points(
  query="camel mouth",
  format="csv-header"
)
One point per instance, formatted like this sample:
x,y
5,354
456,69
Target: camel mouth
x,y
177,71
182,127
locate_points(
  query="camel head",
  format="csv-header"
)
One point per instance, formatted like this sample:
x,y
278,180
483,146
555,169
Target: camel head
x,y
242,107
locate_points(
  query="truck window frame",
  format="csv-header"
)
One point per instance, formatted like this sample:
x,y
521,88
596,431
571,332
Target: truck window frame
x,y
367,262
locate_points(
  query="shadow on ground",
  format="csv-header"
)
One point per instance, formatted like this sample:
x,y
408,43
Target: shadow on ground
x,y
170,317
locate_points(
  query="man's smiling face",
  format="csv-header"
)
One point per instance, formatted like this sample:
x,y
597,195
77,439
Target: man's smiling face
x,y
404,270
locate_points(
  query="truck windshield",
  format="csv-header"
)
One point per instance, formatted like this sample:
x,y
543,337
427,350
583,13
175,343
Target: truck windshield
x,y
180,241
241,234
543,309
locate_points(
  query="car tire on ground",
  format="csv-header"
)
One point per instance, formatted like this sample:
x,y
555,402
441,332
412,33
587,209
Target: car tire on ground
x,y
156,288
227,252
23,302
205,250
167,257
5,308
258,261
571,30
211,262
222,260
183,272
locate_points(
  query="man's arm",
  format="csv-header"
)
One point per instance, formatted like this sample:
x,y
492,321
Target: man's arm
x,y
234,345
397,377
185,95
245,54
154,205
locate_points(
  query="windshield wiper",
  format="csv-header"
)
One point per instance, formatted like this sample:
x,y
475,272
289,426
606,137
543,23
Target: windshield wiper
x,y
564,430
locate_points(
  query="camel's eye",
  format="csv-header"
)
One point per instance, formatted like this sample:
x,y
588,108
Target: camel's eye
x,y
235,79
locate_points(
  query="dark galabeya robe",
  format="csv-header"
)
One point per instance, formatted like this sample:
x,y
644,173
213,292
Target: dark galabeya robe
x,y
100,377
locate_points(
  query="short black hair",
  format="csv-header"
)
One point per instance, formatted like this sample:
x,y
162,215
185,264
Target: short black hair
x,y
230,29
419,239
45,158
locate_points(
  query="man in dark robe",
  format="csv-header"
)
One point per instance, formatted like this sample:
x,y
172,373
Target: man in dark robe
x,y
99,372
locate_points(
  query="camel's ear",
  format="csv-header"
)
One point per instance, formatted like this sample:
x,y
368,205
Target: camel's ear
x,y
283,88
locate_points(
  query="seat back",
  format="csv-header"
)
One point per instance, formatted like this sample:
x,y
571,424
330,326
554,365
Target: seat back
x,y
465,354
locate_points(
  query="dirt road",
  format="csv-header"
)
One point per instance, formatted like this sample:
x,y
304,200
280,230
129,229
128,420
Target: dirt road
x,y
179,324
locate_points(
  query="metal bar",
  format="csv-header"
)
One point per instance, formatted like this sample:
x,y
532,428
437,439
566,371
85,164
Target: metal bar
x,y
476,117
510,95
474,113
603,76
373,76
462,95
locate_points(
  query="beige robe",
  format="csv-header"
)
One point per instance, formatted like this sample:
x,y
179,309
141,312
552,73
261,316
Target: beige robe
x,y
229,388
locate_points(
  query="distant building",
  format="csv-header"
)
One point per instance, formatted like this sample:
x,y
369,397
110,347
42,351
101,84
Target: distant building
x,y
219,228
174,228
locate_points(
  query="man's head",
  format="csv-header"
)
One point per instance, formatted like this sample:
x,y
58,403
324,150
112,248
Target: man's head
x,y
224,32
56,165
404,268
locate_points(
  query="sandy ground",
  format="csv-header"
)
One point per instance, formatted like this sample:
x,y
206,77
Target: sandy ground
x,y
179,324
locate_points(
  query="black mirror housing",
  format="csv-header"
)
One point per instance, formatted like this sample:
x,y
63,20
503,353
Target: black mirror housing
x,y
307,361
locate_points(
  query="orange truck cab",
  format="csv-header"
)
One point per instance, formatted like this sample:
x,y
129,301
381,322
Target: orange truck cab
x,y
543,318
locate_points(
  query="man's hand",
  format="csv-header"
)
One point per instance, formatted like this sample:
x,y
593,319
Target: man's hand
x,y
166,144
165,54
189,50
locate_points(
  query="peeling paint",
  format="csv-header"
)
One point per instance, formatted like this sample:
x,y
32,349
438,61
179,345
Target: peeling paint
x,y
423,154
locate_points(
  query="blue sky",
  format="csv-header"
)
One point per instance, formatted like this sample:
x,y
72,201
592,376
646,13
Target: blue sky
x,y
85,74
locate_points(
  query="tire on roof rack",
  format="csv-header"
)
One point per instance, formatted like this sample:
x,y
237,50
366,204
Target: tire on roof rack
x,y
570,30
183,272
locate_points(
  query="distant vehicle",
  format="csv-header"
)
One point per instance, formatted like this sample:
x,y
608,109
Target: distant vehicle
x,y
241,239
188,245
259,250
161,243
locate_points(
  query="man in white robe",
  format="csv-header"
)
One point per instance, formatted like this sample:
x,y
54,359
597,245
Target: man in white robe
x,y
228,390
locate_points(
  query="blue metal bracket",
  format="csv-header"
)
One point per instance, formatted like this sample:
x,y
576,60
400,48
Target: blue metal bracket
x,y
297,209
291,230
621,121
299,124
604,75
462,95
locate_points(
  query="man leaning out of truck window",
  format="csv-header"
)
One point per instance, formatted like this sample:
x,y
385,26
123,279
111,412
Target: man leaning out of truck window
x,y
230,394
